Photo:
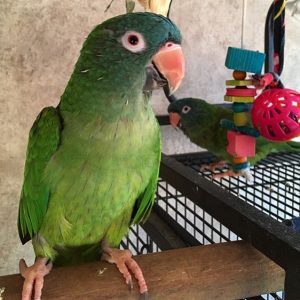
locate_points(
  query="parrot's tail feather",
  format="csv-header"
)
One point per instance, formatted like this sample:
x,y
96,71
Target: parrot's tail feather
x,y
294,145
79,254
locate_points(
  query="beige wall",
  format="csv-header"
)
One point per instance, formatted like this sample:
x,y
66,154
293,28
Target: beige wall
x,y
40,42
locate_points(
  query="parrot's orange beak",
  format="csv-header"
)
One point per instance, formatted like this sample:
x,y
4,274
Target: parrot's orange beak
x,y
174,119
169,61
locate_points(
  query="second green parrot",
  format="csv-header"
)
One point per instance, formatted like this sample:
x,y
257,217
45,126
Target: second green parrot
x,y
200,121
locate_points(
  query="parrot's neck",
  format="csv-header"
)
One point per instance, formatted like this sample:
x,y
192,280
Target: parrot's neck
x,y
104,90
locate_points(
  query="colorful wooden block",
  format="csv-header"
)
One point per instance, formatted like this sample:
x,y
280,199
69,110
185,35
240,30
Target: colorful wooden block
x,y
240,119
242,166
244,60
246,82
238,99
241,92
240,144
239,107
239,160
239,75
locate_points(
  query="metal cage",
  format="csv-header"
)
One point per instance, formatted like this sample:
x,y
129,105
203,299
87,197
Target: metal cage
x,y
202,210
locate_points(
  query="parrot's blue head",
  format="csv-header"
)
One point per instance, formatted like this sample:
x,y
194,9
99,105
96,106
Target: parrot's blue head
x,y
122,47
188,112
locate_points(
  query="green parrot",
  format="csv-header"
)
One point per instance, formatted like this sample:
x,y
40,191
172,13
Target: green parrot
x,y
200,122
92,162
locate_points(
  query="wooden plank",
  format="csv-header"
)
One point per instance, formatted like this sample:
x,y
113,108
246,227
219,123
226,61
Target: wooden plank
x,y
230,270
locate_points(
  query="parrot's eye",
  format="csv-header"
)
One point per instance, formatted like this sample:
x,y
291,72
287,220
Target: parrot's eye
x,y
133,41
186,109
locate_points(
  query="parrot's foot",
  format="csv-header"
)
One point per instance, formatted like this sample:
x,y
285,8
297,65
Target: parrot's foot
x,y
213,166
125,263
34,277
229,173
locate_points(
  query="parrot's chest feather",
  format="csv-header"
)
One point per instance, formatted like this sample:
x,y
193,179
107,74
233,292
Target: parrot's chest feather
x,y
98,173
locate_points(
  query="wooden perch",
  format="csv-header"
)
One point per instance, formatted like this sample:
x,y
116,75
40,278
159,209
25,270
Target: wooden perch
x,y
230,270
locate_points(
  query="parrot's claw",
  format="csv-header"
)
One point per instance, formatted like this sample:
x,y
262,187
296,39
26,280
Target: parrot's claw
x,y
229,173
129,283
125,263
34,277
213,166
144,296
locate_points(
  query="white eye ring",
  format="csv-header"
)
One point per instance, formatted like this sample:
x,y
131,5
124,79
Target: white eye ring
x,y
133,41
186,109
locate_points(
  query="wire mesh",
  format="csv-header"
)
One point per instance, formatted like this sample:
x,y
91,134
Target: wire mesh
x,y
205,228
139,242
275,190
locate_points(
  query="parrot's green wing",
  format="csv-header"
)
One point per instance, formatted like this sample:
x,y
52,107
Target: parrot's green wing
x,y
146,200
44,139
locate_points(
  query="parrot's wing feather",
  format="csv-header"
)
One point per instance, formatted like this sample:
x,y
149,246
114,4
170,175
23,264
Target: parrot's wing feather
x,y
44,139
145,201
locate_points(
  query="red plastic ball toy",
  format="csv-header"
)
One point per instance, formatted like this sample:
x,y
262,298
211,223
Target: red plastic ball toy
x,y
276,114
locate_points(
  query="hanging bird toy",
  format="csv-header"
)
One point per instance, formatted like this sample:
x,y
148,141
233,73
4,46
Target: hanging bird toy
x,y
241,137
276,114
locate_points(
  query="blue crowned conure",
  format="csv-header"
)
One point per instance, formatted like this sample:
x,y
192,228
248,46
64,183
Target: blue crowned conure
x,y
92,162
200,122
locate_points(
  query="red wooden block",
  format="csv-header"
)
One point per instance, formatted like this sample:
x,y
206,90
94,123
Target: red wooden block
x,y
241,92
240,144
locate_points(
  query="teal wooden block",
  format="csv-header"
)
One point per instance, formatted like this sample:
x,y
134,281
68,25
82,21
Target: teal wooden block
x,y
244,60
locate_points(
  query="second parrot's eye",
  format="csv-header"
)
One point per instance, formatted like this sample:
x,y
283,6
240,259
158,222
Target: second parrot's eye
x,y
186,109
133,41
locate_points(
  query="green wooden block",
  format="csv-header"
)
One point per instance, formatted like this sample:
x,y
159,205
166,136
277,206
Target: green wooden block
x,y
244,60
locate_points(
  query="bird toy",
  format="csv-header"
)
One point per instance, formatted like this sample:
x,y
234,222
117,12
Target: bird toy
x,y
276,114
241,137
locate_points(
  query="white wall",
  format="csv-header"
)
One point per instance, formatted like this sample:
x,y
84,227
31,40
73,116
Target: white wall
x,y
40,42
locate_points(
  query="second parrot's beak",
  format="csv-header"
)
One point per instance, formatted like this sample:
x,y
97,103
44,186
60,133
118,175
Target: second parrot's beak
x,y
174,119
169,61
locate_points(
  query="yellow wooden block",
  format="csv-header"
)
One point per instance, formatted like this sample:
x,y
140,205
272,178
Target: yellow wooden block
x,y
240,82
238,99
240,119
